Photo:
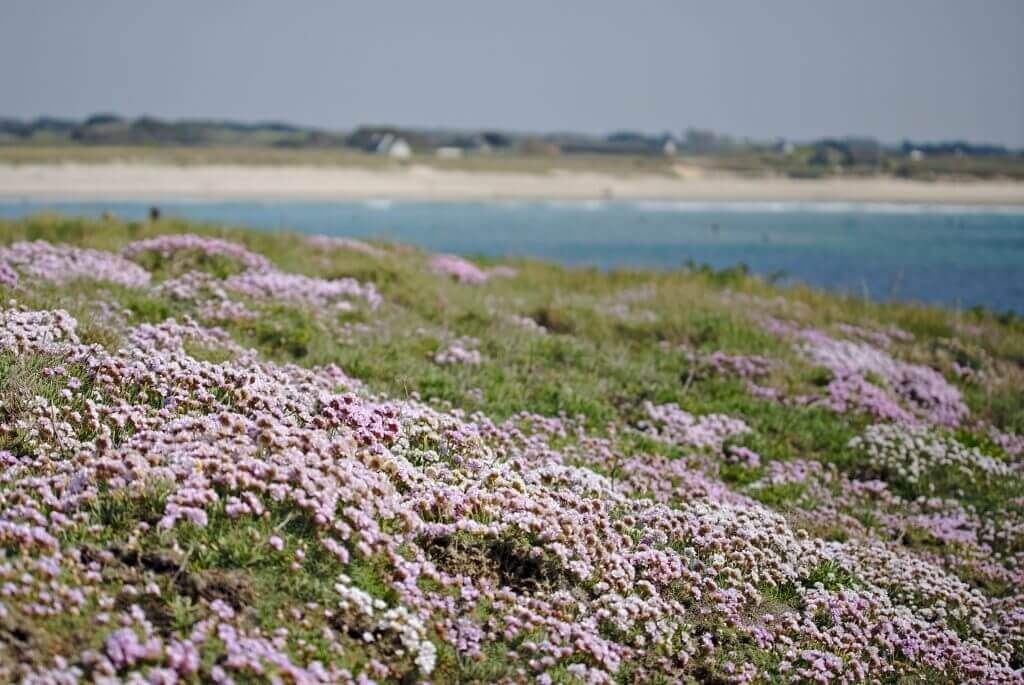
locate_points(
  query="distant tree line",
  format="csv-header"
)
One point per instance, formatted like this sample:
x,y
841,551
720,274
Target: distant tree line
x,y
111,129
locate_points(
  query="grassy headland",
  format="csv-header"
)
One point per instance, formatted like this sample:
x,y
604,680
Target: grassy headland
x,y
248,454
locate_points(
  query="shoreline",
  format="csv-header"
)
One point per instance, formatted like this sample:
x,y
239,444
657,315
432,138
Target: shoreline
x,y
121,181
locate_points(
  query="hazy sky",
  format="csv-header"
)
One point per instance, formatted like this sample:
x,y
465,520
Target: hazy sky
x,y
927,69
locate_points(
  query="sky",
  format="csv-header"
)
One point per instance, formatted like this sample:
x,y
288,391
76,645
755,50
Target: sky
x,y
796,69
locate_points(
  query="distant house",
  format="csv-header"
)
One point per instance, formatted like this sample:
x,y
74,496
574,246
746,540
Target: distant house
x,y
391,145
916,155
670,148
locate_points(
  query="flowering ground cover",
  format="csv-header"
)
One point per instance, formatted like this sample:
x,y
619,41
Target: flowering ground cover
x,y
234,457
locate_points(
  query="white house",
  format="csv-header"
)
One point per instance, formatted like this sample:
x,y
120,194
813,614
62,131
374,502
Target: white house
x,y
393,146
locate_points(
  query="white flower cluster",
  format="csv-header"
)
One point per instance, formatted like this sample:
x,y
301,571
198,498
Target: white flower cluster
x,y
406,626
911,452
459,352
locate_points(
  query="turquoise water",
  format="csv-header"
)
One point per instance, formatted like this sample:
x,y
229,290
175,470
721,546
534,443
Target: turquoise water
x,y
952,256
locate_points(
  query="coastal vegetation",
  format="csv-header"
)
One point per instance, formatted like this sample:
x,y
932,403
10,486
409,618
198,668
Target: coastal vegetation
x,y
240,456
108,137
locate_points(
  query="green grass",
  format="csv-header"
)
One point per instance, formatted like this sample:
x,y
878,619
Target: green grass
x,y
751,164
625,165
592,363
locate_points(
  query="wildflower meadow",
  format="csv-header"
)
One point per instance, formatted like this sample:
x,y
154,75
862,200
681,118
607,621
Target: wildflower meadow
x,y
230,456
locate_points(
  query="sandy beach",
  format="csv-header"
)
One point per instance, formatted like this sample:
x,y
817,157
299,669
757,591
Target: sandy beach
x,y
121,181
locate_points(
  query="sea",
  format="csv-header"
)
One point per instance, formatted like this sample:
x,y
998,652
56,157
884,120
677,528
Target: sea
x,y
954,256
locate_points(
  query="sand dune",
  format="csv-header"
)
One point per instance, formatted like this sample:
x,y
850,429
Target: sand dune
x,y
418,182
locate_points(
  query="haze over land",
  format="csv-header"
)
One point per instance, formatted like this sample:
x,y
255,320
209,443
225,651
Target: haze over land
x,y
921,69
654,99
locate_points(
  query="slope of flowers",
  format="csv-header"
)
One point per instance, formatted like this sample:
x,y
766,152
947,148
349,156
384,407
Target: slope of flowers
x,y
233,439
246,520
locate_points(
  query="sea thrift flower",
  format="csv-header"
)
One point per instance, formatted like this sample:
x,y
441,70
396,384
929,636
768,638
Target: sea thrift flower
x,y
168,245
909,453
62,264
261,285
325,242
924,393
459,352
1012,444
671,424
8,277
742,455
594,559
459,269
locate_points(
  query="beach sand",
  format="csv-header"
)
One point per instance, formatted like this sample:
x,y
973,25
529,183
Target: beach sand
x,y
126,181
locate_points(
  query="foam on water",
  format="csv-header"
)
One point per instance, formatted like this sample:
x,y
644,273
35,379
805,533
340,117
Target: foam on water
x,y
687,206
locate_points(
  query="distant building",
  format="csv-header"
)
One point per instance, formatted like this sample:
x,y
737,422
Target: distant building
x,y
391,145
670,148
916,155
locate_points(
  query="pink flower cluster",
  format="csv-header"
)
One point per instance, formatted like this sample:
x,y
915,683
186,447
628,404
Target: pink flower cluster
x,y
880,338
1011,443
208,294
330,243
570,555
8,276
740,366
168,245
62,264
869,379
317,292
467,272
668,423
458,268
958,543
260,280
924,390
676,566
